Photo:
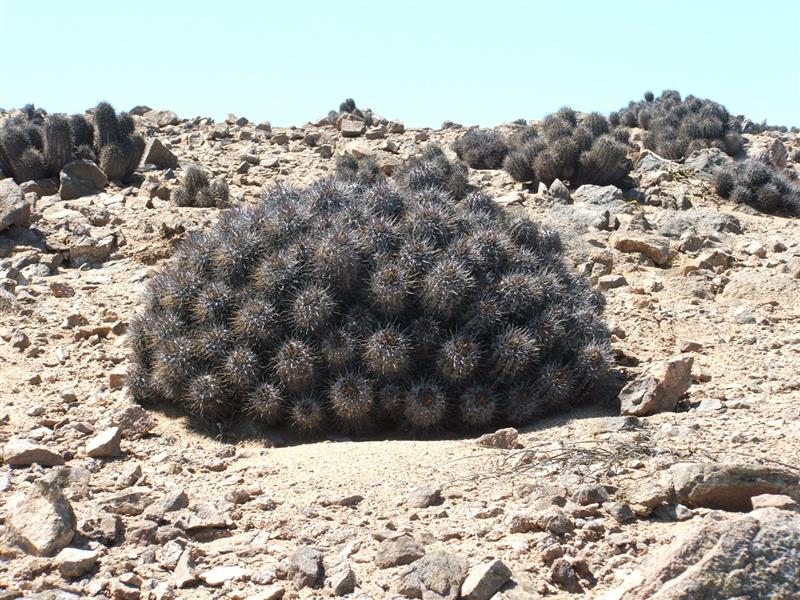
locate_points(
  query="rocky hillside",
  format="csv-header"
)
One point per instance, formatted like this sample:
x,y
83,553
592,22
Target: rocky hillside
x,y
694,468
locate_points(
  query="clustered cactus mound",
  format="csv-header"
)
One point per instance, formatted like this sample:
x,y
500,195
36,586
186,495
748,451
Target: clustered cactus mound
x,y
197,190
677,127
35,145
355,308
576,150
432,169
760,185
348,107
482,148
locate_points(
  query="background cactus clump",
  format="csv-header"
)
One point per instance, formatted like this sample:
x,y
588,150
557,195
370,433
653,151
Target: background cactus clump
x,y
760,185
482,148
432,169
117,145
345,307
575,149
197,190
363,170
676,127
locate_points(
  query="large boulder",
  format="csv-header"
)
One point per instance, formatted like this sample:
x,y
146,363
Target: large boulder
x,y
753,556
14,209
81,178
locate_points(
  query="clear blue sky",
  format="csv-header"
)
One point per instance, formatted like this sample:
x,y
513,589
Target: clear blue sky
x,y
475,62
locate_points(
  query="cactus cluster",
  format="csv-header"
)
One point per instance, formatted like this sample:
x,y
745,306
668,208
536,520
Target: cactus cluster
x,y
197,190
432,169
362,170
759,185
575,149
347,307
348,107
482,148
676,127
35,145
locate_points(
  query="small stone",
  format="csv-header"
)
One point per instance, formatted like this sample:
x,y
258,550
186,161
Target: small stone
x,y
135,422
272,592
401,551
19,452
560,191
174,500
347,500
184,573
116,378
505,439
352,128
780,501
41,519
610,282
20,341
74,562
621,512
658,388
425,496
590,494
201,516
653,247
219,575
304,567
105,444
437,575
564,576
156,154
343,582
485,580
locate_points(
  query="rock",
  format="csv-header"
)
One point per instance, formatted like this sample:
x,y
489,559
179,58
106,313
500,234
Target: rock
x,y
304,567
621,512
437,575
607,196
352,128
84,249
105,444
266,126
279,139
184,573
560,191
610,282
343,582
174,500
81,178
131,502
201,516
753,556
502,438
400,551
729,486
345,500
778,155
658,388
74,562
699,222
780,501
590,494
72,481
650,161
271,592
396,127
19,452
485,580
41,519
563,575
653,247
161,118
158,155
219,575
425,496
375,133
14,208
134,422
585,216
704,163
758,287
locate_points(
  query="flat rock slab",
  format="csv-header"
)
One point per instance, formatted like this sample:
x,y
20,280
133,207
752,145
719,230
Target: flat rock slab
x,y
219,575
74,562
19,452
753,556
654,247
41,519
81,178
658,388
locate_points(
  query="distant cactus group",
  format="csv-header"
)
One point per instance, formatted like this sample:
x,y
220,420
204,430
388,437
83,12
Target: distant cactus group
x,y
676,127
348,107
197,190
573,149
34,145
354,307
759,185
482,148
